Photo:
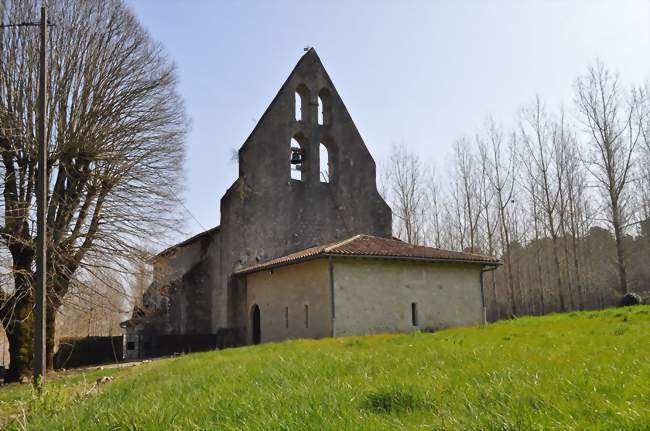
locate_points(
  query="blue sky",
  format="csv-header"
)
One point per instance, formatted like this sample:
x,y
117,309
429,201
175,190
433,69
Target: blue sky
x,y
421,73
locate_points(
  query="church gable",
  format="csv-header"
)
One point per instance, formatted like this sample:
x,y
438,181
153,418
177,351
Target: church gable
x,y
306,135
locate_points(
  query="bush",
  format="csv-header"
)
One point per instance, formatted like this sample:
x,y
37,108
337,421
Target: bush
x,y
631,299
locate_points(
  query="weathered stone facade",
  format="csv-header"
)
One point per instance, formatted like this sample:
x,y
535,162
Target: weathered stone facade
x,y
266,213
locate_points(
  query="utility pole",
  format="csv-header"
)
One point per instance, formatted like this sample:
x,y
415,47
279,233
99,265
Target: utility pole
x,y
41,205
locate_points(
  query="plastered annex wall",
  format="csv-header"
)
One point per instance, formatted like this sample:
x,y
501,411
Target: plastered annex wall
x,y
376,296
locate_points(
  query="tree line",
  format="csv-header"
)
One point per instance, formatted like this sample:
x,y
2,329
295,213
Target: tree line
x,y
561,196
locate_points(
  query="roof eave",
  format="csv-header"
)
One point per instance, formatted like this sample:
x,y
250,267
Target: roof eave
x,y
278,264
418,259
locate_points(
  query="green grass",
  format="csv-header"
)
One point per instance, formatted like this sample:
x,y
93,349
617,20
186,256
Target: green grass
x,y
588,370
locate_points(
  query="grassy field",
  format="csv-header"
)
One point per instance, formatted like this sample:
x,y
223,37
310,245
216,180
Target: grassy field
x,y
588,370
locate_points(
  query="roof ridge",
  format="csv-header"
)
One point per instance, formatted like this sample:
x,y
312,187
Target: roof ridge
x,y
340,243
472,253
436,248
187,241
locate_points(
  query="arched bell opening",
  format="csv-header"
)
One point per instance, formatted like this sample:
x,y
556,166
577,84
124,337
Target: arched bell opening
x,y
297,158
301,103
324,107
327,158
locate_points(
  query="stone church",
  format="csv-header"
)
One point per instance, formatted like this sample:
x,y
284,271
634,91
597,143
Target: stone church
x,y
304,248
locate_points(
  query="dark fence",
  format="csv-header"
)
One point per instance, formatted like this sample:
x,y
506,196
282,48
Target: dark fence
x,y
187,343
79,352
151,345
166,345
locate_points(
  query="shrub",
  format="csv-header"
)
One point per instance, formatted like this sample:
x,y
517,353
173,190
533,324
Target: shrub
x,y
630,298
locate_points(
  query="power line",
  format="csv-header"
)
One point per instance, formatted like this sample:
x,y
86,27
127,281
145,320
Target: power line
x,y
20,24
178,200
191,215
26,24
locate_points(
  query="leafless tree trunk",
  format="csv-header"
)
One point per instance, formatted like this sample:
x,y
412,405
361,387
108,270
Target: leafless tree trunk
x,y
644,168
538,255
487,204
561,141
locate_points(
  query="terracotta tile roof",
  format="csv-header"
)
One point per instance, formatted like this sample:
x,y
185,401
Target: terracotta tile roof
x,y
372,246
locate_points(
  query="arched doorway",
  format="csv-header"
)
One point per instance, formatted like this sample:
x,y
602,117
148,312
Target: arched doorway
x,y
256,326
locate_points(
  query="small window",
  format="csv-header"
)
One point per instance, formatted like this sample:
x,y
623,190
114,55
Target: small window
x,y
286,317
324,164
414,313
306,316
130,345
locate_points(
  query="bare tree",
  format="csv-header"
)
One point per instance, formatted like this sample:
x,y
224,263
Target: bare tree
x,y
435,208
644,167
95,304
501,175
562,140
407,194
537,217
468,194
574,213
116,128
540,136
613,134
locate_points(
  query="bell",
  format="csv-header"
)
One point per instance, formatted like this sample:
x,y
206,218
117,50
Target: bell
x,y
296,156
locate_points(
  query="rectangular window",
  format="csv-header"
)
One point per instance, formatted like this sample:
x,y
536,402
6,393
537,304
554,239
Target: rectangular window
x,y
286,317
414,313
306,316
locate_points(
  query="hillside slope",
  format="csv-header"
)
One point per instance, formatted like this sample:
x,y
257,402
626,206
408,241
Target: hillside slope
x,y
588,370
